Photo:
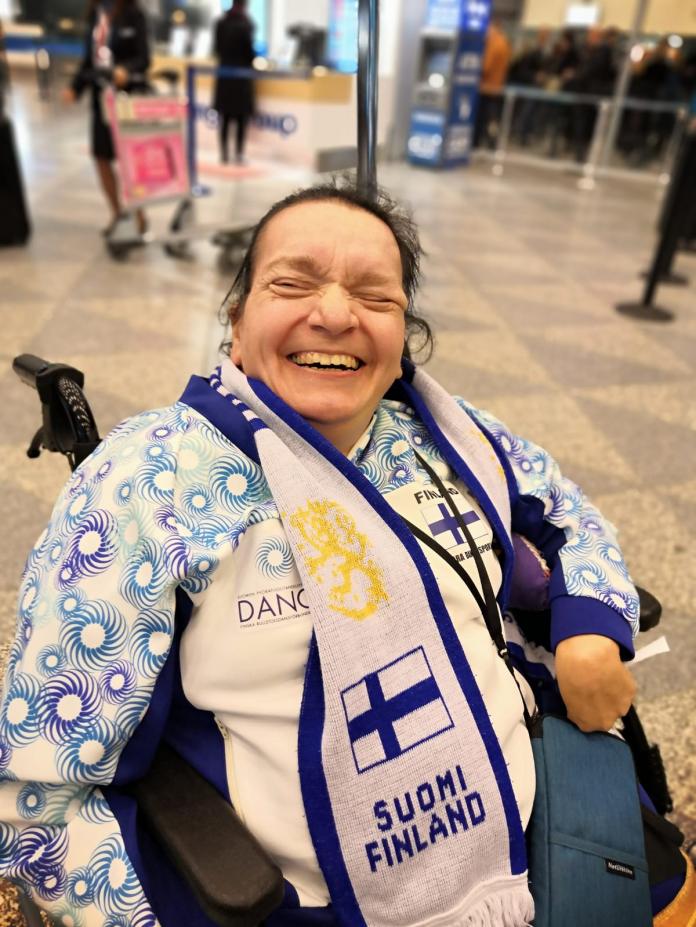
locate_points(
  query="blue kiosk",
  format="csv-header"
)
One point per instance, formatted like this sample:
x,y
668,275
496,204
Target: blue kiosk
x,y
445,93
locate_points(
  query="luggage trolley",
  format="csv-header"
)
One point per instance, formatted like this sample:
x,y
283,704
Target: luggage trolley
x,y
149,133
155,148
151,138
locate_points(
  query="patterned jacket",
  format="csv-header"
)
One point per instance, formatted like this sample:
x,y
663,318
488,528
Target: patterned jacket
x,y
134,542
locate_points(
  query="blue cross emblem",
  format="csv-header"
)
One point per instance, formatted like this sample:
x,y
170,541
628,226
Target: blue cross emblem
x,y
449,523
393,710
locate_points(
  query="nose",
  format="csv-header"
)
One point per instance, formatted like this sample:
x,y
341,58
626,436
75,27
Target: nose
x,y
333,310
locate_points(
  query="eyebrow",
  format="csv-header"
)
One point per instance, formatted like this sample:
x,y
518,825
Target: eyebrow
x,y
304,264
309,265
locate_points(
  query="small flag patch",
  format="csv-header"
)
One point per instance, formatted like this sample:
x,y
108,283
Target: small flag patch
x,y
445,528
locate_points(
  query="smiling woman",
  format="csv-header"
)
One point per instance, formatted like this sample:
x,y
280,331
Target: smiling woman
x,y
384,208
262,574
323,323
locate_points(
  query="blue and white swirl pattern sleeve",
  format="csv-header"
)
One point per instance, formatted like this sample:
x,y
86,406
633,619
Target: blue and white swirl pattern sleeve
x,y
95,625
156,506
590,590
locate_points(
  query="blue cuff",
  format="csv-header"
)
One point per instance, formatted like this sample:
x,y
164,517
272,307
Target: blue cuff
x,y
572,615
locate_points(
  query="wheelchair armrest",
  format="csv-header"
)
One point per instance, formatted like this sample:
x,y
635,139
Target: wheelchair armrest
x,y
235,881
650,609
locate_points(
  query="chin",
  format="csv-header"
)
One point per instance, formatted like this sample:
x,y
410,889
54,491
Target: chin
x,y
323,416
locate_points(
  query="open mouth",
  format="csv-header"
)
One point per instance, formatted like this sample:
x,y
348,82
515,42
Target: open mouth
x,y
319,361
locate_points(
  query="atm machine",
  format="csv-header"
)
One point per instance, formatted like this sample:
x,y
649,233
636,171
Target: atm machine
x,y
445,93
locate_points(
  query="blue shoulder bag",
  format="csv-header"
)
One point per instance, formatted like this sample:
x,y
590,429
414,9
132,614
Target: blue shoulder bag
x,y
586,849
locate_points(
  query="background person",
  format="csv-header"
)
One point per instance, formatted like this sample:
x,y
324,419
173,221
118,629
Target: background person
x,y
595,75
658,78
497,54
116,49
234,96
528,69
561,67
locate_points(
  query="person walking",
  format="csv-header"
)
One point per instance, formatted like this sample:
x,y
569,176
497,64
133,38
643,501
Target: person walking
x,y
116,50
234,96
497,55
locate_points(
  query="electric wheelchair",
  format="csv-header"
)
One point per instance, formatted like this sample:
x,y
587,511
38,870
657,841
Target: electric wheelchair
x,y
234,880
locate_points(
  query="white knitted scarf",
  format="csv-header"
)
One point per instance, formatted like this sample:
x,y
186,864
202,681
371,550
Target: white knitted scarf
x,y
406,791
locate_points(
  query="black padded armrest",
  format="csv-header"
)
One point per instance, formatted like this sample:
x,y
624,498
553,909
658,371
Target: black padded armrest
x,y
650,609
235,881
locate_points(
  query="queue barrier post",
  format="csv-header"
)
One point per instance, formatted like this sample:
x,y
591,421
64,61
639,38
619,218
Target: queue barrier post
x,y
674,148
597,146
503,139
43,65
677,214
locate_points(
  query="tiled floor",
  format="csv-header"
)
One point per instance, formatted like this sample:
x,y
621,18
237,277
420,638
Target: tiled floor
x,y
522,272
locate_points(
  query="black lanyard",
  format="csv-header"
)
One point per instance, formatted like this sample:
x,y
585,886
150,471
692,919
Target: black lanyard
x,y
487,604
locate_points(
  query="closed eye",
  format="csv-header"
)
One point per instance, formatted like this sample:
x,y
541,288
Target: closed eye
x,y
375,300
291,286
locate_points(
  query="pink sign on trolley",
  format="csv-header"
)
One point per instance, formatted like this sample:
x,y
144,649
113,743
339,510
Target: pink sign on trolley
x,y
150,139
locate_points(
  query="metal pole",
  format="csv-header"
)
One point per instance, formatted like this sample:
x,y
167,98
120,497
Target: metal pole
x,y
191,134
504,134
368,50
621,87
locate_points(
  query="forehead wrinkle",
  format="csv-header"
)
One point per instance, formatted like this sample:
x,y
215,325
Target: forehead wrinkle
x,y
327,257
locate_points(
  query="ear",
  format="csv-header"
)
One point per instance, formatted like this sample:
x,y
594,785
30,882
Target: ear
x,y
236,348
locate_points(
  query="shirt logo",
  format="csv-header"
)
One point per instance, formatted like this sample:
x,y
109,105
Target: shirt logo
x,y
444,527
269,606
394,710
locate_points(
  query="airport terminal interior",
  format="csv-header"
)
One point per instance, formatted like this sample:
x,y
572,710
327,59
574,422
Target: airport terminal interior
x,y
524,266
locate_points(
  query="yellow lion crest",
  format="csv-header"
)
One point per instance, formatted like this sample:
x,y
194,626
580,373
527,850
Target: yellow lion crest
x,y
336,554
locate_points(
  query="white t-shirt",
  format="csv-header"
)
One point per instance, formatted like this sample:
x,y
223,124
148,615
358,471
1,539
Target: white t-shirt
x,y
244,653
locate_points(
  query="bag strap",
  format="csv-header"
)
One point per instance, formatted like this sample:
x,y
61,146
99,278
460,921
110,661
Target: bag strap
x,y
428,541
487,603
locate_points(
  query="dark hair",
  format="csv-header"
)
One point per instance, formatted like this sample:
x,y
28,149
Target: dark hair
x,y
419,336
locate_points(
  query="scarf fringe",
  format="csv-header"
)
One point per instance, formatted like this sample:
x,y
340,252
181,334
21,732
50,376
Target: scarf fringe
x,y
509,909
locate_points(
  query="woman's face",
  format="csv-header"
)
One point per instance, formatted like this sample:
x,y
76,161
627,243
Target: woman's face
x,y
323,325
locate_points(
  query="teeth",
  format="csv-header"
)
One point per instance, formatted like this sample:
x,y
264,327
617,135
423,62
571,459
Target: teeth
x,y
305,358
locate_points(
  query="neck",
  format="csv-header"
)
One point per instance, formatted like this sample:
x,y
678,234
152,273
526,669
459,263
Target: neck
x,y
344,434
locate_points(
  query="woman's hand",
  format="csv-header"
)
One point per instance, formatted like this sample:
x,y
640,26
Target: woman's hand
x,y
595,685
121,76
68,95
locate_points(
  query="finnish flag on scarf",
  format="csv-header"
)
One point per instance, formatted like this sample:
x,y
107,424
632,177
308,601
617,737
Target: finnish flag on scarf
x,y
394,709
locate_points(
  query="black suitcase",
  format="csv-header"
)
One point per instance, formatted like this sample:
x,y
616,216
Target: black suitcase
x,y
14,218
